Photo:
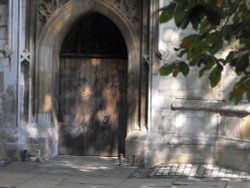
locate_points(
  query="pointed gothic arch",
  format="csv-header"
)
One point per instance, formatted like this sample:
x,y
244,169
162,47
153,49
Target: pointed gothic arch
x,y
47,60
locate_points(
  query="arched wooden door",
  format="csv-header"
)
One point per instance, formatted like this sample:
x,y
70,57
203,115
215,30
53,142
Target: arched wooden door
x,y
93,89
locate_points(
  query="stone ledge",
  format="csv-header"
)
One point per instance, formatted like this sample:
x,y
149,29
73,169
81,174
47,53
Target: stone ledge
x,y
236,144
180,139
219,107
231,153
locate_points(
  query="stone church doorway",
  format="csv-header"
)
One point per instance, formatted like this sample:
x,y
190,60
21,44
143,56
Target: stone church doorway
x,y
92,98
53,63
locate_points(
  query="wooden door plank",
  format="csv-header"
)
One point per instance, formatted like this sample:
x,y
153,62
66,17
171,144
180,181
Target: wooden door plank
x,y
95,101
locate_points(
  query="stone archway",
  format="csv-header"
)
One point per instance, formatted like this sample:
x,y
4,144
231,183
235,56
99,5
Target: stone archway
x,y
47,61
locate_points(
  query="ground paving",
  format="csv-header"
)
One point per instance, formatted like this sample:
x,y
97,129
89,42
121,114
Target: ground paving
x,y
199,171
96,172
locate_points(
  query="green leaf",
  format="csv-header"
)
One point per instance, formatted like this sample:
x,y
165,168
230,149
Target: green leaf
x,y
190,40
214,42
195,15
179,15
167,13
184,68
215,76
184,23
205,68
213,37
237,16
194,61
242,64
181,53
205,59
248,96
245,41
233,62
167,69
212,15
247,82
248,90
227,32
230,56
241,81
235,98
190,55
217,46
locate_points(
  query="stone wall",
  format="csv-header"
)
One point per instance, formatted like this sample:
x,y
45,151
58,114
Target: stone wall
x,y
190,121
3,23
8,125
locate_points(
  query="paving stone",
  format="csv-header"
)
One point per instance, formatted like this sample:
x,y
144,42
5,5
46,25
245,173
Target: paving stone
x,y
15,175
166,171
197,186
9,183
199,170
159,172
145,183
108,175
76,185
197,183
117,175
52,177
39,183
238,185
95,180
55,170
20,167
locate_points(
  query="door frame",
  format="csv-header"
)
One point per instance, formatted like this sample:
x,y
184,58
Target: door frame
x,y
46,73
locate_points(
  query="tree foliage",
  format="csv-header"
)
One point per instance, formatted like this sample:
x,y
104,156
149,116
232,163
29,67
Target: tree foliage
x,y
218,24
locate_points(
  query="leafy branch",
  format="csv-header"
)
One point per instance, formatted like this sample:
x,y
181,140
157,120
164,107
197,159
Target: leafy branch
x,y
217,23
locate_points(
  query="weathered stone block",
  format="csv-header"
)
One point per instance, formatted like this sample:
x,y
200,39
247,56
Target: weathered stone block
x,y
163,124
3,19
3,32
8,136
135,148
160,153
3,10
180,93
167,112
231,126
9,152
246,128
231,154
1,82
189,126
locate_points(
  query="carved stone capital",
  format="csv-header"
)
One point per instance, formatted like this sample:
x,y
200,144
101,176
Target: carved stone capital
x,y
131,8
47,7
25,56
5,51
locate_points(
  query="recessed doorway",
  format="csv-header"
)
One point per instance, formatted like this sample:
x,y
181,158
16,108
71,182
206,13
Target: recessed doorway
x,y
93,89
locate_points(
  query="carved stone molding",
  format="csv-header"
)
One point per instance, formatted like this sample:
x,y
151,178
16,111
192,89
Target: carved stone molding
x,y
25,56
5,51
219,107
131,8
47,7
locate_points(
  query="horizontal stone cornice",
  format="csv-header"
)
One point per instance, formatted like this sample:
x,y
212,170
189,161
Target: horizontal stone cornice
x,y
211,106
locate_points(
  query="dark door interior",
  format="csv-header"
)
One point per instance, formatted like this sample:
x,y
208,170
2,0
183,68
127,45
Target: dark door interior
x,y
93,89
